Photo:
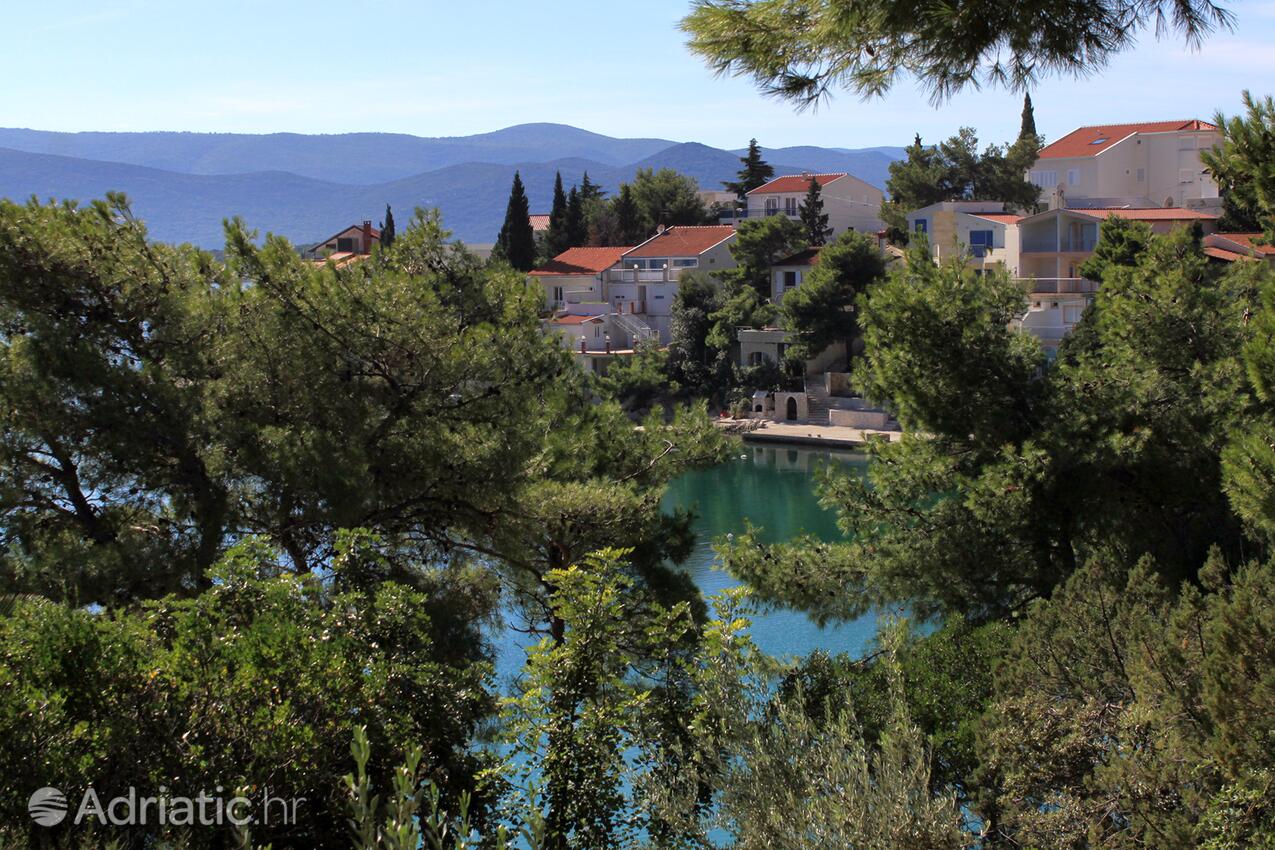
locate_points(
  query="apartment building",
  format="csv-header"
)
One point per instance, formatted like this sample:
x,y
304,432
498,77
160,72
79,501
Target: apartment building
x,y
850,203
1153,164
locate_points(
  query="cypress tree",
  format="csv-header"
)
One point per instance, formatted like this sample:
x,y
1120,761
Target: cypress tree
x,y
628,219
1029,118
756,172
387,228
577,230
516,243
558,237
813,219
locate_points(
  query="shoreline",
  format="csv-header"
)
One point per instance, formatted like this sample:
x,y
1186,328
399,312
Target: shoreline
x,y
804,434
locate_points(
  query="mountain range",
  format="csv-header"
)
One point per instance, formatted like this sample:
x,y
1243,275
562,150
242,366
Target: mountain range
x,y
307,186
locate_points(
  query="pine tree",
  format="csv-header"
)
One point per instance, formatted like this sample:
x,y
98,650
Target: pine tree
x,y
558,237
516,243
590,191
1029,118
387,228
577,230
813,219
756,172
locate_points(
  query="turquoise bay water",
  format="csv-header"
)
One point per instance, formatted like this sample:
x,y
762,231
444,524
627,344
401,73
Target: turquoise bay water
x,y
773,488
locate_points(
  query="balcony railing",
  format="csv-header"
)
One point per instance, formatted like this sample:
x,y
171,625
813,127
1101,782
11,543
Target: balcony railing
x,y
645,275
1060,285
1055,246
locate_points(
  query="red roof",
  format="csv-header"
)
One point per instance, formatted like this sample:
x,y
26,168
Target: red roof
x,y
1228,256
682,241
581,261
1148,214
1247,240
1089,141
576,320
808,257
539,221
795,183
1002,218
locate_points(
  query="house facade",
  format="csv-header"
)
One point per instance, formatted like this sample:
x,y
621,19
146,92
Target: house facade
x,y
980,231
1155,164
576,276
850,203
345,246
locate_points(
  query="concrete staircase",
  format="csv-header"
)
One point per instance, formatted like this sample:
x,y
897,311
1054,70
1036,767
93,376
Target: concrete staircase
x,y
818,402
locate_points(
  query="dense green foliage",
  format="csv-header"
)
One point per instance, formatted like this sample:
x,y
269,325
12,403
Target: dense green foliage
x,y
955,170
823,311
1244,167
801,49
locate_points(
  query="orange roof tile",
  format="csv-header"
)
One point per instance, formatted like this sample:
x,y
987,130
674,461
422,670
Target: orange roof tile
x,y
1229,256
1001,218
539,221
796,183
576,320
682,241
1148,214
1248,240
578,261
808,257
1089,141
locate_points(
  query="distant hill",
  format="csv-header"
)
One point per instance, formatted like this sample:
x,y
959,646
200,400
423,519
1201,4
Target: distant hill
x,y
361,158
185,184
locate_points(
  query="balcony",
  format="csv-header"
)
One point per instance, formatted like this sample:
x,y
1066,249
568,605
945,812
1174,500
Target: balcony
x,y
1050,245
645,275
1060,285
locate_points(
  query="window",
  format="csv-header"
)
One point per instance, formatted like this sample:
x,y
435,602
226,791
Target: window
x,y
345,243
686,263
772,206
790,206
1142,175
1045,179
597,330
557,293
981,241
755,359
921,226
1073,176
790,280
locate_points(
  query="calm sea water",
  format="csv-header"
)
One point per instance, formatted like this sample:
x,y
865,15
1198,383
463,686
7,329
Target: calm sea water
x,y
773,488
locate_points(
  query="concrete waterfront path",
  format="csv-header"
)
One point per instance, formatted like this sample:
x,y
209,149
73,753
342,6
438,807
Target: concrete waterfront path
x,y
798,433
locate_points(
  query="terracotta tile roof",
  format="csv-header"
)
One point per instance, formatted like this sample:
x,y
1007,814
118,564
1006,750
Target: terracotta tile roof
x,y
796,183
1001,218
1089,141
1228,256
1247,240
578,261
1149,214
340,259
539,221
576,320
808,257
682,241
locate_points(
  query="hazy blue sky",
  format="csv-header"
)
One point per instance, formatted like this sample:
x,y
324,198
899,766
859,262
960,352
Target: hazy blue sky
x,y
454,68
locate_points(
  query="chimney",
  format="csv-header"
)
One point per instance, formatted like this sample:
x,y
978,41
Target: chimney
x,y
1057,199
659,228
367,237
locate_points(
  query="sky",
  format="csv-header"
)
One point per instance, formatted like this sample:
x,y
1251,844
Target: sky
x,y
431,68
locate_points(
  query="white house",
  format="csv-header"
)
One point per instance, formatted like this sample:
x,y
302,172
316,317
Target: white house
x,y
1153,164
980,231
576,276
644,281
850,203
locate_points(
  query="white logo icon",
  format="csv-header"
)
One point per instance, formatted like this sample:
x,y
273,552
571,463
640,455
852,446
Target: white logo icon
x,y
47,806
